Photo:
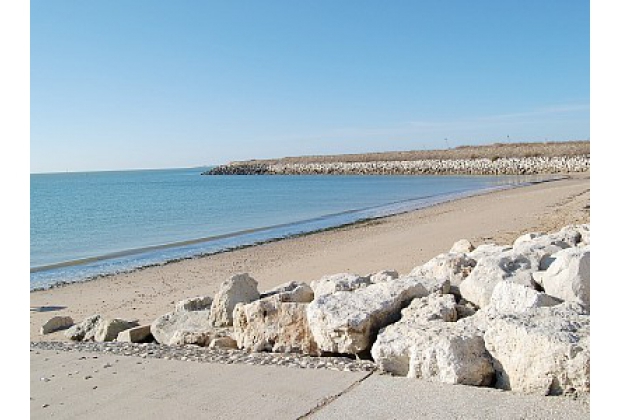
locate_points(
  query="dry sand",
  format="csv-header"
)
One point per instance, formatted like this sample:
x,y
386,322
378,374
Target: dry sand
x,y
399,242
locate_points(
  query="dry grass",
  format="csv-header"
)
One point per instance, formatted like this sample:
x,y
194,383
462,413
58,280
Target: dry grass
x,y
493,152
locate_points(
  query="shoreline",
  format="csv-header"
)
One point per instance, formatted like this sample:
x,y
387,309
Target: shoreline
x,y
415,204
395,242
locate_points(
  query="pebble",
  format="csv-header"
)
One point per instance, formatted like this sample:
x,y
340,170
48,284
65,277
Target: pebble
x,y
206,355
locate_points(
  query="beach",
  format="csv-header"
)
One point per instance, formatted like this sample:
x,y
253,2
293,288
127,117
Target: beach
x,y
136,381
398,242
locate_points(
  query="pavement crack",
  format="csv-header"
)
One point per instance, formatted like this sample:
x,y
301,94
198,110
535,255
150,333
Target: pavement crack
x,y
326,401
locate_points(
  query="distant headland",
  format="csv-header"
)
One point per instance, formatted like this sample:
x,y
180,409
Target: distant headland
x,y
495,159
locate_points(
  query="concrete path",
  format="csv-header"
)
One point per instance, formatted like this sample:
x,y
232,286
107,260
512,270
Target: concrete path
x,y
68,385
386,397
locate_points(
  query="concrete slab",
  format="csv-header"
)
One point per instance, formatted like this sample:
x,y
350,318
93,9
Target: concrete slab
x,y
385,397
69,385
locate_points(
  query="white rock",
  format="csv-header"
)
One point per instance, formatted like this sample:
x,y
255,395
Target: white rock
x,y
425,344
225,342
270,324
510,297
490,270
138,334
453,267
240,288
345,322
486,250
108,329
341,282
528,237
85,330
56,323
189,315
544,350
391,348
450,353
434,307
200,338
462,246
383,276
291,292
568,277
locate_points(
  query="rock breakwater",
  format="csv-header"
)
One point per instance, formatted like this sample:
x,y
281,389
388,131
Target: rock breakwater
x,y
484,166
513,316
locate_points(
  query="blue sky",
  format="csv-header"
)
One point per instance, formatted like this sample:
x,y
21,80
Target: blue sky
x,y
156,84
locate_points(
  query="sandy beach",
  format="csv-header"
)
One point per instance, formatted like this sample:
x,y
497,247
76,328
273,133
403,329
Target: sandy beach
x,y
67,384
399,242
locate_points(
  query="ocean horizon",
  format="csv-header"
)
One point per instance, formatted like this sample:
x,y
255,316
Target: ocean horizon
x,y
89,224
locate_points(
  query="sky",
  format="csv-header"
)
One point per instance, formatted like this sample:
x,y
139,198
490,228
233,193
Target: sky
x,y
160,84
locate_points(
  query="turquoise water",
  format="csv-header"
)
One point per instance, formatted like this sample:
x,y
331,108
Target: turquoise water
x,y
88,224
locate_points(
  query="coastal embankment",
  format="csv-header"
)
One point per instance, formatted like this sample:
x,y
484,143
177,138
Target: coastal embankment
x,y
497,159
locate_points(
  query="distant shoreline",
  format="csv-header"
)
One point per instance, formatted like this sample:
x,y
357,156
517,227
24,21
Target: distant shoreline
x,y
497,159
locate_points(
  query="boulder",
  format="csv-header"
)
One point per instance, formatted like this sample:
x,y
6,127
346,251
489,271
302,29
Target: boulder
x,y
427,344
347,322
383,276
490,270
568,277
225,342
451,353
191,315
85,330
56,323
434,307
108,329
510,297
486,250
453,267
271,324
202,338
544,350
291,292
462,246
528,237
240,288
342,282
139,334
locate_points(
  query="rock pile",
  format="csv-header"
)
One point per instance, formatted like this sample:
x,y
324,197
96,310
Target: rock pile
x,y
515,317
500,166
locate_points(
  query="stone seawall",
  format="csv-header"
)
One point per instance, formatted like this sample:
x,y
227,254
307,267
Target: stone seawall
x,y
499,166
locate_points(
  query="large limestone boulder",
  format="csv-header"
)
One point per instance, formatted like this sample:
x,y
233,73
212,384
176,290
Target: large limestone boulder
x,y
568,277
139,334
240,288
453,267
202,338
342,282
108,329
544,350
451,353
292,291
462,246
426,343
383,276
273,324
510,297
85,330
56,323
191,315
492,269
346,322
434,307
486,250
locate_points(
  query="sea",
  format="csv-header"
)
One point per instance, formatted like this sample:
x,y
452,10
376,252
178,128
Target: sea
x,y
92,224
